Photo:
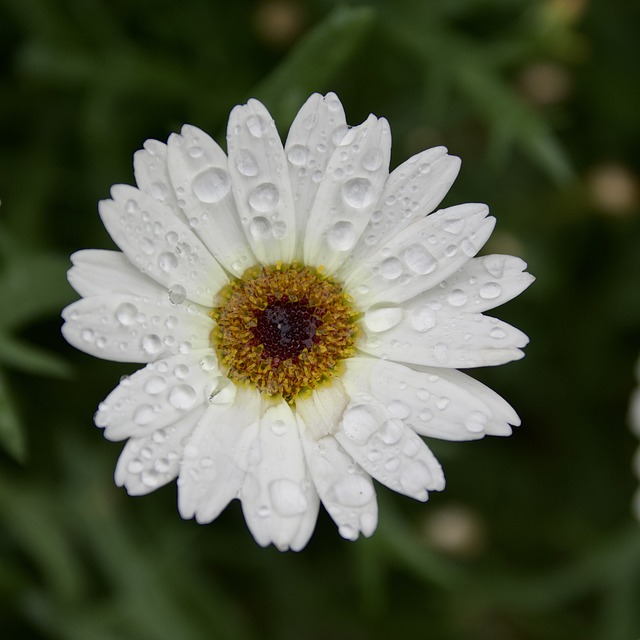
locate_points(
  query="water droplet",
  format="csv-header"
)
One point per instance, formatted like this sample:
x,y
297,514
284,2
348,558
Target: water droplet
x,y
182,396
495,265
151,344
126,314
155,385
358,423
208,363
498,333
392,431
143,415
424,168
457,298
317,176
211,185
353,491
372,159
298,155
206,462
177,294
279,229
468,248
490,290
256,126
135,466
287,497
419,260
246,163
441,352
260,228
279,427
476,421
391,268
454,226
358,193
147,246
383,319
181,371
398,409
342,236
195,151
222,391
167,261
265,197
442,403
423,319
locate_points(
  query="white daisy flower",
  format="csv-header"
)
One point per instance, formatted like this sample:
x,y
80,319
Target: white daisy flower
x,y
302,313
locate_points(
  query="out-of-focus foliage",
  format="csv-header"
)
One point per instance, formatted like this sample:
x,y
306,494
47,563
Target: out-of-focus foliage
x,y
532,539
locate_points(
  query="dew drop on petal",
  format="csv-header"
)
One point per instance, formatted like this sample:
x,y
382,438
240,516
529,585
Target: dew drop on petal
x,y
260,228
265,197
358,423
423,319
352,491
391,268
287,497
208,363
167,261
358,193
177,294
454,226
256,126
419,260
298,155
246,163
476,421
457,298
278,427
211,185
490,290
279,229
372,159
342,236
182,396
155,385
392,431
383,319
498,333
126,314
495,265
143,415
151,344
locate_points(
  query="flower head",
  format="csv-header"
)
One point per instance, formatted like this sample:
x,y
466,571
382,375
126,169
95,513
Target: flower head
x,y
302,314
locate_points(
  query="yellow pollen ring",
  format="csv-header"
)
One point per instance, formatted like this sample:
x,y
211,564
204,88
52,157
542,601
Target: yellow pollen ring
x,y
285,329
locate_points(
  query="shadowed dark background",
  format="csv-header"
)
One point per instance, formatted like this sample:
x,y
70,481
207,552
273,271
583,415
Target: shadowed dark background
x,y
533,538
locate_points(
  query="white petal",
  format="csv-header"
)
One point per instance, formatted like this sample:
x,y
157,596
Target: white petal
x,y
148,463
348,194
158,395
421,256
199,174
278,498
217,455
260,182
316,131
127,328
97,271
438,403
445,338
389,450
346,491
481,284
413,190
152,175
322,410
157,242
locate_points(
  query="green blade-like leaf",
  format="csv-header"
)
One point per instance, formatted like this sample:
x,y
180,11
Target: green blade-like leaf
x,y
12,437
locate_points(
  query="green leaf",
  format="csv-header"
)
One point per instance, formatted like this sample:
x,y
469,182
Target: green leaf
x,y
12,437
315,61
26,357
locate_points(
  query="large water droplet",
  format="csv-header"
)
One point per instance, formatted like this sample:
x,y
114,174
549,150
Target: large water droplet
x,y
182,396
391,268
457,298
419,260
246,163
260,228
379,320
454,226
167,261
151,344
342,236
476,421
298,155
155,385
392,431
423,319
358,193
490,290
372,159
256,126
352,491
211,185
177,294
126,314
287,497
264,197
495,265
358,423
143,415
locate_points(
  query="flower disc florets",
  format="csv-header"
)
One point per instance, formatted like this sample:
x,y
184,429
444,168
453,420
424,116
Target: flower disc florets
x,y
284,329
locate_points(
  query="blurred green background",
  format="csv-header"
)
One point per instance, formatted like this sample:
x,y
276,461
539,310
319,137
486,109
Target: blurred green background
x,y
533,538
